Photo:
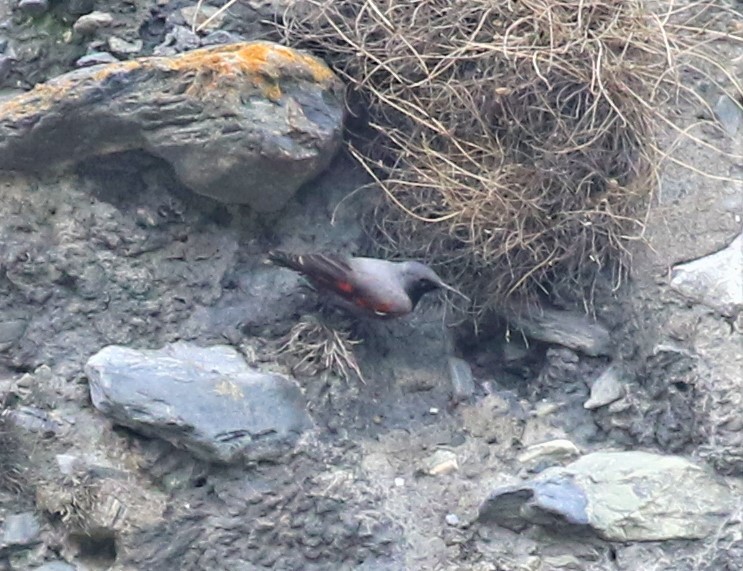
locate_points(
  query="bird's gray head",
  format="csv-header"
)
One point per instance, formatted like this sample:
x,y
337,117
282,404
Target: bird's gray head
x,y
420,279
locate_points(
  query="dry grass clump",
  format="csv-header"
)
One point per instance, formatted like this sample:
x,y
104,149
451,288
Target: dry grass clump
x,y
515,140
312,348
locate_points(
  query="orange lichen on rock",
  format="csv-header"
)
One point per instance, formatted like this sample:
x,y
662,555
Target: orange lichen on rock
x,y
264,64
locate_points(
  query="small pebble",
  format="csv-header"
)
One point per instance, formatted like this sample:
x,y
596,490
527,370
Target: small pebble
x,y
452,519
399,482
556,449
433,410
220,37
729,114
122,47
90,23
95,58
440,462
463,383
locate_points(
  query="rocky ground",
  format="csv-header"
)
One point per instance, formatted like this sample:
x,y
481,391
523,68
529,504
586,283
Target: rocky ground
x,y
614,444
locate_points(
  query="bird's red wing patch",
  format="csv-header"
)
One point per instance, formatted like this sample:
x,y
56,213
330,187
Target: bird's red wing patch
x,y
345,287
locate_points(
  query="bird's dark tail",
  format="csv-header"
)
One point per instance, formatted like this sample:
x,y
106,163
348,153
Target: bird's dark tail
x,y
284,259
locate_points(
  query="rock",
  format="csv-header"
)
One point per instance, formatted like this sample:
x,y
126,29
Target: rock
x,y
123,48
559,449
68,464
220,37
452,519
463,383
11,331
247,123
80,7
33,7
605,389
6,65
440,463
203,13
206,400
729,114
177,40
621,496
91,23
33,420
20,530
566,328
96,58
715,280
56,566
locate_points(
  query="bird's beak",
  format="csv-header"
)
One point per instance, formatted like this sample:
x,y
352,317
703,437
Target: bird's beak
x,y
453,290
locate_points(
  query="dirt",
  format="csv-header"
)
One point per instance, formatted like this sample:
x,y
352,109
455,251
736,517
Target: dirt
x,y
122,254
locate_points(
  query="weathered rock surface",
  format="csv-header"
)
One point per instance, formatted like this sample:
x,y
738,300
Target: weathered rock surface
x,y
566,328
206,400
19,530
622,496
715,280
246,123
606,389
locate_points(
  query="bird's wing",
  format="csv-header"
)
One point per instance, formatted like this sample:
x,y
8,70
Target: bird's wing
x,y
330,270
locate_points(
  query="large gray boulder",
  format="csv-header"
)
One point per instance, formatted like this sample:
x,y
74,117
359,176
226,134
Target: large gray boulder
x,y
205,400
621,496
244,123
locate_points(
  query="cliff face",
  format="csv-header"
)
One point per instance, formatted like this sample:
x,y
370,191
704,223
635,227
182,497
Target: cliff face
x,y
165,397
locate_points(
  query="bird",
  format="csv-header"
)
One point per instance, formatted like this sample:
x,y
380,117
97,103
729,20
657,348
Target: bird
x,y
373,287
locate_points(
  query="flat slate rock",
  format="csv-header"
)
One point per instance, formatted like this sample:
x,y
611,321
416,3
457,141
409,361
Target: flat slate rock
x,y
715,280
621,496
203,399
245,123
561,327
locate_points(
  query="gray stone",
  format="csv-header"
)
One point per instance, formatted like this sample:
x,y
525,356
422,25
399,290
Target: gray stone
x,y
6,66
729,114
121,47
202,16
91,23
554,449
440,463
246,123
80,7
220,37
56,566
20,530
179,39
33,420
33,7
68,463
606,389
11,331
463,383
715,280
205,400
567,328
621,496
96,58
